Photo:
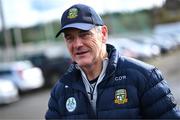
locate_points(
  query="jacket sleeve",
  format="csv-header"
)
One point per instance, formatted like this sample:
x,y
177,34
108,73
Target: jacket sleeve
x,y
52,112
157,100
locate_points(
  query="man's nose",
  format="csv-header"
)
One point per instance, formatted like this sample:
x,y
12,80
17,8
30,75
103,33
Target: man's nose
x,y
78,42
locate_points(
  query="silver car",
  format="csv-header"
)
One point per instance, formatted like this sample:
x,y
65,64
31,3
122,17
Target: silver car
x,y
23,74
8,92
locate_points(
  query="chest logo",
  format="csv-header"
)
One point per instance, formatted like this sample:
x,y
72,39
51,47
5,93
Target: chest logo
x,y
71,104
121,96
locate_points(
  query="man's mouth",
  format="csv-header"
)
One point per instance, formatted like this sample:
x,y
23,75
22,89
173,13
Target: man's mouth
x,y
81,53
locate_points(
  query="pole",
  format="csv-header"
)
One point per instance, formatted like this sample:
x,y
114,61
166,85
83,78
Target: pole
x,y
6,36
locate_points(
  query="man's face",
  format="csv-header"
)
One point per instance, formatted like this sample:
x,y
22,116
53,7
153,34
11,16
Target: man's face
x,y
85,47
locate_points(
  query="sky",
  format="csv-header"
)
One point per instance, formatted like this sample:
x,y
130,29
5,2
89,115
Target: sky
x,y
25,13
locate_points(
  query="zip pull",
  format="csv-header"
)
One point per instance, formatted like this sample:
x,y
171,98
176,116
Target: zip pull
x,y
91,95
91,92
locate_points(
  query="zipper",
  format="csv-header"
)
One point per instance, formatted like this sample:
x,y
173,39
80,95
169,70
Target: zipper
x,y
99,94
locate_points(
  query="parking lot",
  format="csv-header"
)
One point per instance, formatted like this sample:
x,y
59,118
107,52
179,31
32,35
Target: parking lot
x,y
33,105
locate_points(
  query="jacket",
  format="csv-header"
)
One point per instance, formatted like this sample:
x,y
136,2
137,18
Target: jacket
x,y
129,89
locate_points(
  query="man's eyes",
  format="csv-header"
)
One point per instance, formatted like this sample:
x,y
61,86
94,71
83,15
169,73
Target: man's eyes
x,y
82,35
68,37
85,34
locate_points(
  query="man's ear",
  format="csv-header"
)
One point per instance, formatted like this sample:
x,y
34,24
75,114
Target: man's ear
x,y
104,32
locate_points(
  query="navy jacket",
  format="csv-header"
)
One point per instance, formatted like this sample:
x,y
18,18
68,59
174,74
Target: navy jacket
x,y
130,89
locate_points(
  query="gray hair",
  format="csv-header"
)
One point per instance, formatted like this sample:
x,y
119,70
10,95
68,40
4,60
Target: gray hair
x,y
98,28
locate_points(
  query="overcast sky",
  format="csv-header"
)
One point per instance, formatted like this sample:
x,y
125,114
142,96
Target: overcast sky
x,y
26,13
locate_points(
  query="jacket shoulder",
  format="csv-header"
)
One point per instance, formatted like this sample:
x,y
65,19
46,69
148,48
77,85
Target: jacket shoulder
x,y
131,63
57,89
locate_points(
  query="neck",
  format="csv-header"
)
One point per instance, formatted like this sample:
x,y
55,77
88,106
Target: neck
x,y
94,70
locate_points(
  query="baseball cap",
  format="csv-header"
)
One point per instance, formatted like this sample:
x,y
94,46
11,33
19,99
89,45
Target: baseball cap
x,y
80,16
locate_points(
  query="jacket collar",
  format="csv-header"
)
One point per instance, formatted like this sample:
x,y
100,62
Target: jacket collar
x,y
113,56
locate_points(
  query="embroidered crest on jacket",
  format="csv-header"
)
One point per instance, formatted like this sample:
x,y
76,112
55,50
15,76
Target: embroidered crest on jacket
x,y
71,104
121,96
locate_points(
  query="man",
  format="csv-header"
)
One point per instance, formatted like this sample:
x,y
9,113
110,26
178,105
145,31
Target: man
x,y
100,84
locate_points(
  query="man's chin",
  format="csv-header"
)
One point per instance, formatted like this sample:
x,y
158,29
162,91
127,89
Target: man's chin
x,y
84,63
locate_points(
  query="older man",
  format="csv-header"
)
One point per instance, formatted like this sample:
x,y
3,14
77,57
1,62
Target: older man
x,y
101,84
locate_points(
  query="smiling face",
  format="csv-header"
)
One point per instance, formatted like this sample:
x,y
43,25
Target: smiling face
x,y
87,48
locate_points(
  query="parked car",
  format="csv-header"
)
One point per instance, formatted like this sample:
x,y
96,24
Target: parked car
x,y
23,74
148,44
138,50
166,40
123,49
8,91
52,67
176,37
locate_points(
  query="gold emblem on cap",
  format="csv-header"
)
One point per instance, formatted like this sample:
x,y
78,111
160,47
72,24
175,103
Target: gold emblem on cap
x,y
73,13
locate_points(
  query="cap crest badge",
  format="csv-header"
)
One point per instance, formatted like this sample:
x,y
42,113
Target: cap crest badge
x,y
72,13
121,96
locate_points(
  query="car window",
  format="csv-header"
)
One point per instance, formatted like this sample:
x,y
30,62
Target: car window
x,y
4,72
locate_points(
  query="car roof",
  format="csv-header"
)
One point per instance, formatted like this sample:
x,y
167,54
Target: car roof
x,y
15,65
